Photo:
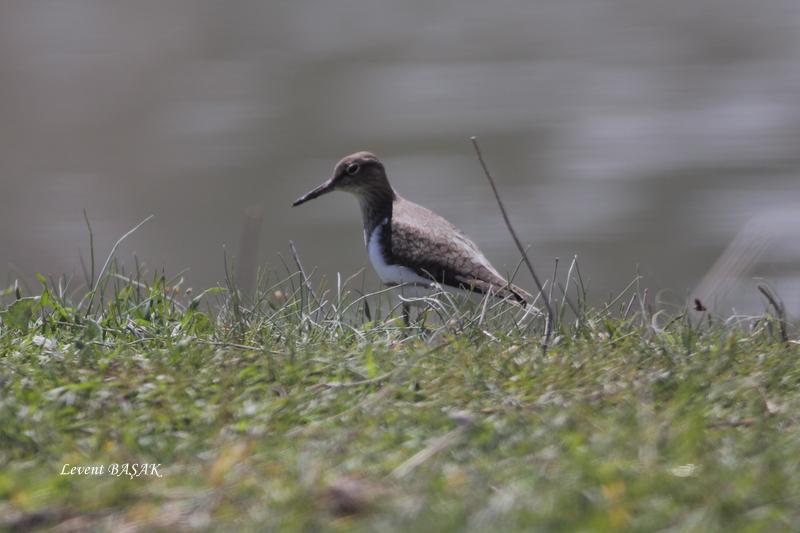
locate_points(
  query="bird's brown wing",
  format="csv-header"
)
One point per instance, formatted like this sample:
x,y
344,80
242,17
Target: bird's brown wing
x,y
435,249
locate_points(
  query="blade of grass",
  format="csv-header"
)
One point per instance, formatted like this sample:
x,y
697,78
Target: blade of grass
x,y
96,284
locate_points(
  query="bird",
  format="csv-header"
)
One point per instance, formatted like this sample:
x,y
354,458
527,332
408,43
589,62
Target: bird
x,y
408,245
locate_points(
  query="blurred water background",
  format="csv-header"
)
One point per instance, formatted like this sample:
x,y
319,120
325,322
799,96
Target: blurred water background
x,y
626,132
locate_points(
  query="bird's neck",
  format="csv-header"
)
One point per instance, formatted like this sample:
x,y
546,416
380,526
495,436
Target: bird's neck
x,y
376,206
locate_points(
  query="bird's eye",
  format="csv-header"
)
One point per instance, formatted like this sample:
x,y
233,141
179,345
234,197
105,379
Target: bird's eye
x,y
353,168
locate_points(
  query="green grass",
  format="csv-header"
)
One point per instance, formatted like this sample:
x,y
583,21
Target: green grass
x,y
298,412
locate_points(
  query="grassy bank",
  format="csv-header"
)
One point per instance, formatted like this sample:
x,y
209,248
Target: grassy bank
x,y
315,409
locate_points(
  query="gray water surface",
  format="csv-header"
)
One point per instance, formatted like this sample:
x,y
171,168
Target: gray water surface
x,y
628,133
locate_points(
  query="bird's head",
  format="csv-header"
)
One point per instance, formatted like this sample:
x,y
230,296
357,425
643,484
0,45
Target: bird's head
x,y
361,174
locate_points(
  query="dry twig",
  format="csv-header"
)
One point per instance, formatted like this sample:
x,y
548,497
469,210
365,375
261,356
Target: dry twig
x,y
549,324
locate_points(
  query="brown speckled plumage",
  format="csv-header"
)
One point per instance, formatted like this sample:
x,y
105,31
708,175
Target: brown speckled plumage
x,y
419,240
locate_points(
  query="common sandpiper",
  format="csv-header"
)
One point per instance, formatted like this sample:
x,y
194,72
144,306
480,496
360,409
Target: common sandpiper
x,y
409,245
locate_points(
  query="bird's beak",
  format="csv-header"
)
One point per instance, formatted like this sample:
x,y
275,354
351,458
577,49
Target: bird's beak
x,y
325,188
